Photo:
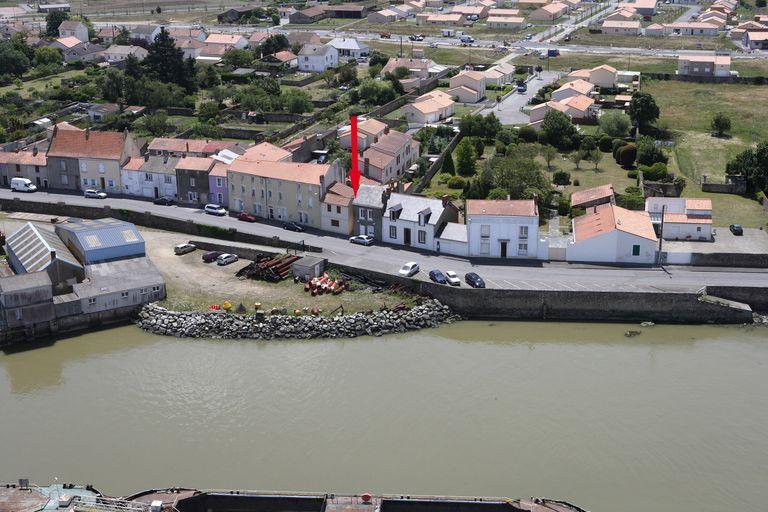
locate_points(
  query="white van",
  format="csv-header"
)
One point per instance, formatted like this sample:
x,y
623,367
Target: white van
x,y
22,185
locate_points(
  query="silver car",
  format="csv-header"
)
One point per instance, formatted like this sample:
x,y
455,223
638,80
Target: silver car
x,y
94,194
226,259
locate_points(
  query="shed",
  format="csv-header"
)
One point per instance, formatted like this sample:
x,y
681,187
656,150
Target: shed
x,y
100,240
309,267
35,249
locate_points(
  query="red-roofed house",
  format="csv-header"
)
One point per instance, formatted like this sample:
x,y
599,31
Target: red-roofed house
x,y
593,196
502,229
685,218
336,209
610,234
24,164
467,86
388,158
87,159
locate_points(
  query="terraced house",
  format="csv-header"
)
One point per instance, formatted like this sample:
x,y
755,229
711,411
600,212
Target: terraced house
x,y
24,164
282,191
388,158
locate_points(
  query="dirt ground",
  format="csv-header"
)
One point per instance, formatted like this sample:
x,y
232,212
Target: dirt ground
x,y
194,285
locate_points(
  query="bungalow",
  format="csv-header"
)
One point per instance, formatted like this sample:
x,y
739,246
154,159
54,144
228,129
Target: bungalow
x,y
506,22
211,53
283,58
192,48
418,5
531,4
502,228
234,14
257,38
308,15
603,76
316,58
350,48
382,17
593,196
715,18
435,4
499,74
467,86
610,234
471,12
572,4
336,213
66,43
504,12
621,15
573,88
549,12
690,28
186,33
74,50
626,28
228,41
704,65
420,68
388,158
431,107
442,20
641,7
683,219
119,53
537,113
755,40
654,30
415,221
403,11
74,28
580,108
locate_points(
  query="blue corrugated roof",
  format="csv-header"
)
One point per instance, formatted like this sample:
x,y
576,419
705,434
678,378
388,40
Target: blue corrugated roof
x,y
103,233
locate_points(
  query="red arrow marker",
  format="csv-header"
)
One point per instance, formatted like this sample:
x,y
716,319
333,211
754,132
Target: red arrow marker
x,y
354,173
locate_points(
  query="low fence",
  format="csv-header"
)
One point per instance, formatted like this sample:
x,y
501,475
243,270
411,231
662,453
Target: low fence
x,y
302,81
436,165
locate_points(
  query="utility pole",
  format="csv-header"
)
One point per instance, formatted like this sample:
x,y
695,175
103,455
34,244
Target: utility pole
x,y
401,46
661,234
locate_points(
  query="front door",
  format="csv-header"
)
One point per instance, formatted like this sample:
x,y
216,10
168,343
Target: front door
x,y
102,183
5,180
271,213
45,183
407,236
37,179
503,249
157,193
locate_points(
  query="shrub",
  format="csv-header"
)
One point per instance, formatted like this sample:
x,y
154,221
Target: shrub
x,y
605,144
648,153
563,206
617,143
443,178
632,174
655,172
527,134
576,182
760,196
456,182
625,155
501,148
561,178
632,190
630,201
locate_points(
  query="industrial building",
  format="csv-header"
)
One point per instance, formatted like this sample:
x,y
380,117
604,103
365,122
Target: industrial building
x,y
100,240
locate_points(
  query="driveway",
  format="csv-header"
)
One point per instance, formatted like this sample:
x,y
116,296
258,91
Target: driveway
x,y
509,110
687,15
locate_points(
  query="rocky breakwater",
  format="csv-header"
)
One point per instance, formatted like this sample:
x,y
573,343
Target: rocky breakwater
x,y
261,326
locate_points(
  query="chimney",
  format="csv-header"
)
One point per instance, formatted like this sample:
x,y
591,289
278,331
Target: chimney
x,y
187,148
87,133
386,130
146,157
445,200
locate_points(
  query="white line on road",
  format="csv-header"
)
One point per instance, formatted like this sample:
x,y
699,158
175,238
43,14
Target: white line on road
x,y
515,286
546,285
497,285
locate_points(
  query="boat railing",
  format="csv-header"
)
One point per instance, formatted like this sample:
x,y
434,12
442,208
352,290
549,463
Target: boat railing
x,y
100,503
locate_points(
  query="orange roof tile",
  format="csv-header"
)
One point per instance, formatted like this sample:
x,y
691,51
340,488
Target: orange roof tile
x,y
195,163
266,152
339,194
507,208
682,218
698,204
606,218
134,164
87,144
591,194
288,171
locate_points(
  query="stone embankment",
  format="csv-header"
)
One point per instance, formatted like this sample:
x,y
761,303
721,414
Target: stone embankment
x,y
262,326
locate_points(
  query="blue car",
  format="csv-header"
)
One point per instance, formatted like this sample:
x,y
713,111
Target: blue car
x,y
437,277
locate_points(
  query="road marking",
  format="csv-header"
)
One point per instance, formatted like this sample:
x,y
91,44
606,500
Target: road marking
x,y
527,284
546,285
580,286
512,284
565,286
497,285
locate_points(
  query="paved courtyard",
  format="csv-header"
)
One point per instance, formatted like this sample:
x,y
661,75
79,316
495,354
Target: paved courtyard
x,y
754,241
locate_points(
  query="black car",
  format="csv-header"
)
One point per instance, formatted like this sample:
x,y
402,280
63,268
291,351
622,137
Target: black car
x,y
736,229
292,226
474,280
210,256
437,276
164,201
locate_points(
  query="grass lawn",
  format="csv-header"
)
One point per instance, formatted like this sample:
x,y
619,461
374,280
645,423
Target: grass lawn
x,y
699,153
574,60
750,67
448,56
608,171
437,189
690,106
40,83
582,36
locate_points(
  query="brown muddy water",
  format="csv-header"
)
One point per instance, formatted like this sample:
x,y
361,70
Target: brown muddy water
x,y
673,419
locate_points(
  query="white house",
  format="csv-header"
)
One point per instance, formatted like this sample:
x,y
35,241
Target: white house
x,y
74,28
601,76
150,176
499,74
316,58
574,88
503,228
431,107
368,132
146,33
684,218
415,220
610,234
118,53
350,48
467,86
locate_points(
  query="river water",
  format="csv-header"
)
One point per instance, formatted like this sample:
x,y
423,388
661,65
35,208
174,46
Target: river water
x,y
674,419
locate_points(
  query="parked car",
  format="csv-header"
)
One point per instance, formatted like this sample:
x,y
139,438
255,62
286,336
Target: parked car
x,y
528,25
452,278
293,226
437,276
183,249
94,194
736,229
215,209
432,45
164,201
361,239
474,280
226,259
528,37
409,269
521,88
567,38
22,185
247,217
210,256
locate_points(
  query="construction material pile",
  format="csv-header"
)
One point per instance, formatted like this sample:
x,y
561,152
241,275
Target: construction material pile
x,y
324,284
271,269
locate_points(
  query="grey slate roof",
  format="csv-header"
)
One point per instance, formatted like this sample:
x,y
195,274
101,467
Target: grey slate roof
x,y
37,247
102,233
115,276
454,231
412,206
315,49
369,196
160,164
24,282
347,43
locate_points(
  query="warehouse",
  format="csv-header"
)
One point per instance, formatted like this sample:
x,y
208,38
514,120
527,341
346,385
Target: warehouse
x,y
100,240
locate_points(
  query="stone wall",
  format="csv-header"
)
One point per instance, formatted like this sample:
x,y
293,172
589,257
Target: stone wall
x,y
221,325
730,259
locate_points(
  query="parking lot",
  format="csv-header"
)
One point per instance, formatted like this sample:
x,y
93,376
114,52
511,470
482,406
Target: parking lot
x,y
754,241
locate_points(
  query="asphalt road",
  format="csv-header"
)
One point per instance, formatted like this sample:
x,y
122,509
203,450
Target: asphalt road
x,y
520,275
509,110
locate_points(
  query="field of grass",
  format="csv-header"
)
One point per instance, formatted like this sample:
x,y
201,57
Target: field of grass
x,y
446,55
573,60
690,106
608,171
699,153
40,83
582,36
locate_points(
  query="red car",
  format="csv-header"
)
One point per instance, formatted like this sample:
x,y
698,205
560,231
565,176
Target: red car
x,y
247,217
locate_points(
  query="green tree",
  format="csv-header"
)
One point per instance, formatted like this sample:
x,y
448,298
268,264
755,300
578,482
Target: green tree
x,y
122,37
720,124
208,111
401,72
275,19
527,133
561,178
348,74
648,153
165,62
52,21
12,60
595,157
273,44
548,153
328,76
377,58
157,123
497,193
558,130
296,101
466,157
235,58
576,157
643,110
447,166
111,84
753,165
208,77
133,68
615,123
47,55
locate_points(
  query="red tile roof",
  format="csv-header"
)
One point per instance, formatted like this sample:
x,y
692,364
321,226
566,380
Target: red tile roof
x,y
87,144
606,218
507,208
339,194
288,171
195,163
591,194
